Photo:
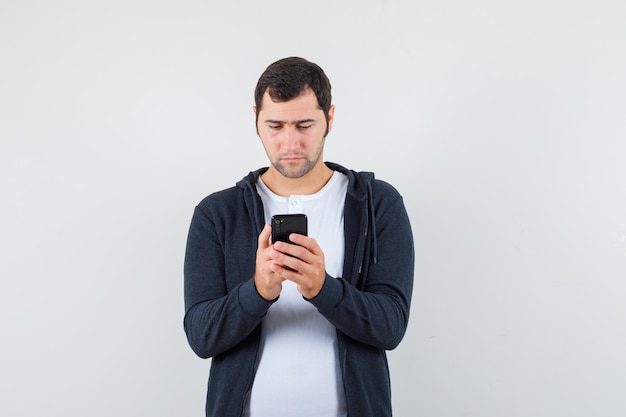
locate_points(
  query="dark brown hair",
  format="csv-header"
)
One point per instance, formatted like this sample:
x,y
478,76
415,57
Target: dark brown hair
x,y
287,78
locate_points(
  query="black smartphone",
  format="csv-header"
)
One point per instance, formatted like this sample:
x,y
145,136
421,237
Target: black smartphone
x,y
285,224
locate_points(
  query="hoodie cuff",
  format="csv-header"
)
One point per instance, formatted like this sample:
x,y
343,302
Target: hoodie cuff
x,y
329,296
251,302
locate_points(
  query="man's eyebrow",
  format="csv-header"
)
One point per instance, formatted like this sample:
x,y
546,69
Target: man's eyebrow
x,y
297,122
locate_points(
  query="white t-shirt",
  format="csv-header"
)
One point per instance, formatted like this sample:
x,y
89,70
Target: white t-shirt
x,y
297,367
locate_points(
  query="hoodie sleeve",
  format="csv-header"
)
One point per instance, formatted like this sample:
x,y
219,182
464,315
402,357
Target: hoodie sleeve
x,y
220,309
372,305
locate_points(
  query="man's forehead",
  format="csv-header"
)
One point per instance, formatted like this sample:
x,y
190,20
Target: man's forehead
x,y
304,106
305,95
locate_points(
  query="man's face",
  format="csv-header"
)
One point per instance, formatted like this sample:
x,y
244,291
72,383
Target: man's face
x,y
293,133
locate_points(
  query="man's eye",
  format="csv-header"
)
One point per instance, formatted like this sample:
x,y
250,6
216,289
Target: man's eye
x,y
275,127
304,126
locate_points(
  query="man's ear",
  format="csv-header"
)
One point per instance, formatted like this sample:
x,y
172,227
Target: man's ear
x,y
331,117
256,119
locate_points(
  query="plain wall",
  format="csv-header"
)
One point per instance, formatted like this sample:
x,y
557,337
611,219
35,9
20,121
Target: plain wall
x,y
502,124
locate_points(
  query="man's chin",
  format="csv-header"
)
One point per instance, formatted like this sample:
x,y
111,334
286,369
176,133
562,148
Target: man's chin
x,y
293,172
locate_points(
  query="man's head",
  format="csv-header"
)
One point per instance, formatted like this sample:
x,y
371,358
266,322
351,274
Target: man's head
x,y
287,78
293,117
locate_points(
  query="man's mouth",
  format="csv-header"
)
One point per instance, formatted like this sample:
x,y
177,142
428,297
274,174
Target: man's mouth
x,y
291,159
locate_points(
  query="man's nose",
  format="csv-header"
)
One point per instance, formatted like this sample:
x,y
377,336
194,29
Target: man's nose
x,y
291,138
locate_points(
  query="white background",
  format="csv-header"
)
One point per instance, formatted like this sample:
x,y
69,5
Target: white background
x,y
502,123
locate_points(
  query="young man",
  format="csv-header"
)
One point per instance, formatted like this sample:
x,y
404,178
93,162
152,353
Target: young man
x,y
300,328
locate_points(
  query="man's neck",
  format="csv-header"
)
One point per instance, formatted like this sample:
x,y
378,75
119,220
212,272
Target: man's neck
x,y
310,183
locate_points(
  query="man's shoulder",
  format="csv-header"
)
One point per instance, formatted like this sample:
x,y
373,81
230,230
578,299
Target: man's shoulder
x,y
365,182
225,197
384,187
235,194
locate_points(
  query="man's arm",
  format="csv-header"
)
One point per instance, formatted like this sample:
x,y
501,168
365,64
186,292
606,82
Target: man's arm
x,y
216,318
376,314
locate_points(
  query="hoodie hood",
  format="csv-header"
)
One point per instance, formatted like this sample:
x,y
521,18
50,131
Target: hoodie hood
x,y
359,188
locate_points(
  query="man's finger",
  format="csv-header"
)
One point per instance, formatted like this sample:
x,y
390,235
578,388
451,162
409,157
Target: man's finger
x,y
264,237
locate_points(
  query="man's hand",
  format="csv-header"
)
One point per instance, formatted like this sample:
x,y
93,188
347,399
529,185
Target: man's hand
x,y
268,283
301,262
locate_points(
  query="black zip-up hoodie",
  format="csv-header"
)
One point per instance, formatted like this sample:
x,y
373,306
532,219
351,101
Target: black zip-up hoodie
x,y
368,305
